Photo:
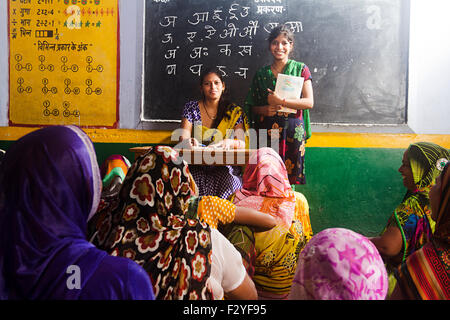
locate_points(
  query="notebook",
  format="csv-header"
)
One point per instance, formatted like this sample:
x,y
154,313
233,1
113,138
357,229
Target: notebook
x,y
288,87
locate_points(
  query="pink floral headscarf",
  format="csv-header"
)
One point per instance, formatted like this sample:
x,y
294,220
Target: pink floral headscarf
x,y
339,264
266,186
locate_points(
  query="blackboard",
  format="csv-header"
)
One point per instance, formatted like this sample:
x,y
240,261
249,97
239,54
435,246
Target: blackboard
x,y
357,52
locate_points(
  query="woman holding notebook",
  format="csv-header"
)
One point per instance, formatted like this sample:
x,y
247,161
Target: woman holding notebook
x,y
269,110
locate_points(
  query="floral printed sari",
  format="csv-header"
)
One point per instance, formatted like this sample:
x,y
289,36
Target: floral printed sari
x,y
148,225
290,130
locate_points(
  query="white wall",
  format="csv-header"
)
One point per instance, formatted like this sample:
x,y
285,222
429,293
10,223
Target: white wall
x,y
429,67
131,56
4,63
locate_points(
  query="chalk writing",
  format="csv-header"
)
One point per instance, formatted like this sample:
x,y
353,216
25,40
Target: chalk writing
x,y
191,35
250,30
231,11
222,70
216,15
201,17
171,69
198,52
269,9
196,69
168,21
168,38
245,50
225,49
242,72
230,32
295,26
170,54
210,31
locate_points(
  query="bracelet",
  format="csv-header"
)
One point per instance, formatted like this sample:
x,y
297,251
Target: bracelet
x,y
284,103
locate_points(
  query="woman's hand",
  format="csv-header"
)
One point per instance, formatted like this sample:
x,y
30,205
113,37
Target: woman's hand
x,y
267,111
252,217
390,243
228,144
270,111
188,143
274,99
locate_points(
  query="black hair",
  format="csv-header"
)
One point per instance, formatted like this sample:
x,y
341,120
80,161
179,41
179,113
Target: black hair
x,y
224,103
281,29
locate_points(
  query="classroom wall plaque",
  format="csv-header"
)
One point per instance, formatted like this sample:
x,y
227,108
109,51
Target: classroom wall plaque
x,y
63,62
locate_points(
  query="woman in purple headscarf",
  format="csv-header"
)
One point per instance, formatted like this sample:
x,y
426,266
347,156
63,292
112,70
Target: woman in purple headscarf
x,y
49,187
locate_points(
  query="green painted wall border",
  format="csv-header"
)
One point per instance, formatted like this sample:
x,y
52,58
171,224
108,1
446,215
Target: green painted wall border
x,y
355,188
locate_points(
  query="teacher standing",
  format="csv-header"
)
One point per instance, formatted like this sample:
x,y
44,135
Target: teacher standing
x,y
291,130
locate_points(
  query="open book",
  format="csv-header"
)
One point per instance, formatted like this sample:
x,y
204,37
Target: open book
x,y
288,87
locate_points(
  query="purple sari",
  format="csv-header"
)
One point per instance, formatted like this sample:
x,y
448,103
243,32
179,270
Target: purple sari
x,y
49,187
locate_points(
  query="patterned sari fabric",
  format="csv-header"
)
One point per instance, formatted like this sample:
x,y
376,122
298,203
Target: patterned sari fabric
x,y
49,187
339,264
426,273
211,209
148,225
290,130
271,256
114,165
413,215
113,172
212,180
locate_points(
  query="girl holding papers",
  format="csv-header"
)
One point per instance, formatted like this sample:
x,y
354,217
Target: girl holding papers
x,y
286,119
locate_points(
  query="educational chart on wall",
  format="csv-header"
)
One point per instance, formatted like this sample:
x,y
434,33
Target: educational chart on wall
x,y
357,52
63,62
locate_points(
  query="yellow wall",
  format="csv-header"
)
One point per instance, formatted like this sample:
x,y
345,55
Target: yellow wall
x,y
318,139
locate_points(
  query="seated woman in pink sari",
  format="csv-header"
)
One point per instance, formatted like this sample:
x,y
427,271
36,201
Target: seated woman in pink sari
x,y
271,256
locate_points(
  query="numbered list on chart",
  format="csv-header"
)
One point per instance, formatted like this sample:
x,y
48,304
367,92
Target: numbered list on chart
x,y
63,62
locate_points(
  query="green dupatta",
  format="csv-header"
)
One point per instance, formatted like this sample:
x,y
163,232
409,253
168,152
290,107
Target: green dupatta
x,y
263,79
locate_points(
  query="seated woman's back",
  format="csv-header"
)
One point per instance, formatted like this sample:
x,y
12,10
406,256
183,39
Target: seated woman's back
x,y
148,224
50,186
271,256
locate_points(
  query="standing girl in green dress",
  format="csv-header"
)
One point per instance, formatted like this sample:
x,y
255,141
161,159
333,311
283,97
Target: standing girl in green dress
x,y
262,104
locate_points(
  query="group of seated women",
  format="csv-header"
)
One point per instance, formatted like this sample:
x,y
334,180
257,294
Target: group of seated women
x,y
144,232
